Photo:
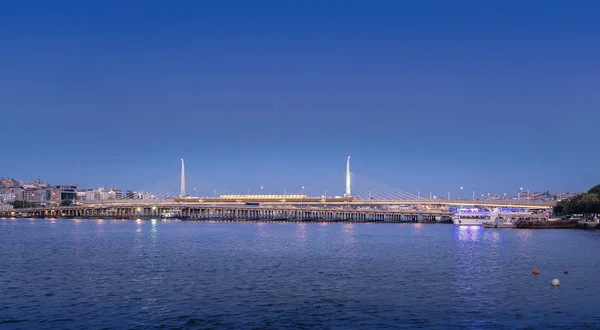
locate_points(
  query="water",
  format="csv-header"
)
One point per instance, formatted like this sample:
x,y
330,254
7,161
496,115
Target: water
x,y
92,274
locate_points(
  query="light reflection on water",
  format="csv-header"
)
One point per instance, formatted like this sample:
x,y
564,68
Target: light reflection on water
x,y
349,234
300,233
524,235
468,233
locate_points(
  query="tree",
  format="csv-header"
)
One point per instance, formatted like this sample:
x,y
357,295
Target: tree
x,y
595,190
66,202
586,204
558,208
22,204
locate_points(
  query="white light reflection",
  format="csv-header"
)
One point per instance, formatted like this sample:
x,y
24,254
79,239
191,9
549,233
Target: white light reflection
x,y
154,226
468,233
154,231
263,230
349,234
524,234
100,225
493,237
301,232
417,229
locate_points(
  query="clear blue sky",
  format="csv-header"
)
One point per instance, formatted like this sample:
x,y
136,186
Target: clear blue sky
x,y
490,95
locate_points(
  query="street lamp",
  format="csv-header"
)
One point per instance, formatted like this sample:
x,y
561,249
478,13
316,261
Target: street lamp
x,y
418,194
461,189
519,193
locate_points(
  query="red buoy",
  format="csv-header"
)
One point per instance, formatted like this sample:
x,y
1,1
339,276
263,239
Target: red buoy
x,y
566,271
536,272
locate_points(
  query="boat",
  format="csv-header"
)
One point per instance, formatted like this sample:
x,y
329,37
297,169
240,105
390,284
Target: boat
x,y
547,224
470,216
499,223
590,223
507,217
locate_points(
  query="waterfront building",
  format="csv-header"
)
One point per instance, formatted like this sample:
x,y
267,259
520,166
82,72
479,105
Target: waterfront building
x,y
111,195
67,191
8,196
55,195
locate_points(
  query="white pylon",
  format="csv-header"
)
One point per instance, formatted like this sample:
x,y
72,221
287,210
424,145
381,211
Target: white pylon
x,y
182,189
348,191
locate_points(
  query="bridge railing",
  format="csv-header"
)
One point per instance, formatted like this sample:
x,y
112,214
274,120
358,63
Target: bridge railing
x,y
371,200
462,201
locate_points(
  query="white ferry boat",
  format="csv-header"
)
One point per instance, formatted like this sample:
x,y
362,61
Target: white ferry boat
x,y
470,216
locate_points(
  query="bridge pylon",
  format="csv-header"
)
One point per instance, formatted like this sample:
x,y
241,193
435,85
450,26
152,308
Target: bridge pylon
x,y
348,190
182,188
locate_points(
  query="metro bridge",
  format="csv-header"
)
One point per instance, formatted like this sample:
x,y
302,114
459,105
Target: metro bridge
x,y
394,205
306,200
375,195
364,197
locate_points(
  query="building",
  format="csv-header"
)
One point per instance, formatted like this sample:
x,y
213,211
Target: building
x,y
67,191
88,195
130,194
8,183
7,197
38,196
115,194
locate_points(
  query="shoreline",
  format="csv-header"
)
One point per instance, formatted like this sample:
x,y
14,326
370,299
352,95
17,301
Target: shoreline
x,y
226,220
295,221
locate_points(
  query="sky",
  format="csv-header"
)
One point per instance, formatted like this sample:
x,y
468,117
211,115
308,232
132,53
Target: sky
x,y
423,95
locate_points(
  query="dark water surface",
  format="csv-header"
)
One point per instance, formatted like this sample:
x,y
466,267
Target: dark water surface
x,y
125,274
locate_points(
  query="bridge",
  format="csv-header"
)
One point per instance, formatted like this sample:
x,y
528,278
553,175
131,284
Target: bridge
x,y
273,200
376,195
390,205
189,211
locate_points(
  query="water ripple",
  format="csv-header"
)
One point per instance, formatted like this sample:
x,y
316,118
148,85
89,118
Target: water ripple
x,y
186,275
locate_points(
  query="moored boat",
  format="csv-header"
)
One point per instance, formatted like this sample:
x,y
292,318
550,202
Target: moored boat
x,y
507,217
547,224
470,216
590,223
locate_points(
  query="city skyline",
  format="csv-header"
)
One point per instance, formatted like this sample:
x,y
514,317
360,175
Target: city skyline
x,y
422,96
